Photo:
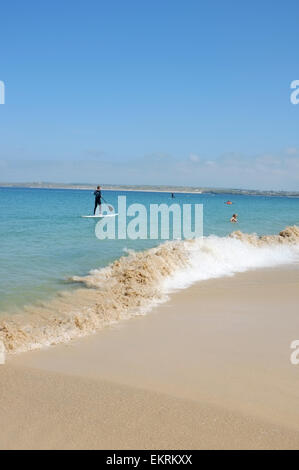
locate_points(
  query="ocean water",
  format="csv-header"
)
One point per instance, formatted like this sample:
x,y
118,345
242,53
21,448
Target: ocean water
x,y
44,241
46,249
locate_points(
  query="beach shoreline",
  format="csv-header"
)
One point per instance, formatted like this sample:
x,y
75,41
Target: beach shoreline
x,y
214,360
135,283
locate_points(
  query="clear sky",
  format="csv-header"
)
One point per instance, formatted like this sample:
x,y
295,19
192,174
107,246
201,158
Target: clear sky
x,y
150,92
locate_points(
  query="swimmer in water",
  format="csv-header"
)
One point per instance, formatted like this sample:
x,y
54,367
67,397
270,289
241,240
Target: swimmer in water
x,y
234,218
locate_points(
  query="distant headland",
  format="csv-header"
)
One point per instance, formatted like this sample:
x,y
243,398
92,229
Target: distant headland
x,y
150,188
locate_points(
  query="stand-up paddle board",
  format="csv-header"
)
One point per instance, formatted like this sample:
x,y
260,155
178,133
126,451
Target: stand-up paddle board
x,y
98,216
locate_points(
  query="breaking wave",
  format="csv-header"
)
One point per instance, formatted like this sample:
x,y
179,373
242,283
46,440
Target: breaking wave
x,y
133,284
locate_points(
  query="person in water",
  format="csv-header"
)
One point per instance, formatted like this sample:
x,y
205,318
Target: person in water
x,y
234,218
98,200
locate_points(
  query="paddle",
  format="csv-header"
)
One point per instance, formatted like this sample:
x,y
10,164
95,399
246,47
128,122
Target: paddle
x,y
109,207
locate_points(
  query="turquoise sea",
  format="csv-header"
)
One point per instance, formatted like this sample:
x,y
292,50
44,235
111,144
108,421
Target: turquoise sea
x,y
44,241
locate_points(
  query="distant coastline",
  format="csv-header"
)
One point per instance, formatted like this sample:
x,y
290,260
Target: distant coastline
x,y
151,188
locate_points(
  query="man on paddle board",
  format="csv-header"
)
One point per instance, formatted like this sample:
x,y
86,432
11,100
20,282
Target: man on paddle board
x,y
98,200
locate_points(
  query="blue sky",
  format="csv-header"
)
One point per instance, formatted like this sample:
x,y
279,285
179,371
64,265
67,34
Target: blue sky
x,y
150,92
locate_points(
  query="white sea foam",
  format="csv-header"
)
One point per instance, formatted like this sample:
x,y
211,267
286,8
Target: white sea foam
x,y
214,257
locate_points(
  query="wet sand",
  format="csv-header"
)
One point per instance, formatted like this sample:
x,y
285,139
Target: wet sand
x,y
208,369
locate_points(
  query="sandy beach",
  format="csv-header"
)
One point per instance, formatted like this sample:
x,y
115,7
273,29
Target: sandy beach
x,y
209,369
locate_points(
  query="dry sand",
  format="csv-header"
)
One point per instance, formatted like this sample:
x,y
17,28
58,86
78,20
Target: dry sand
x,y
208,369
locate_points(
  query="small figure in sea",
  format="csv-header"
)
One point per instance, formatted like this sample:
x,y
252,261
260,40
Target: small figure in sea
x,y
172,195
98,200
234,218
229,203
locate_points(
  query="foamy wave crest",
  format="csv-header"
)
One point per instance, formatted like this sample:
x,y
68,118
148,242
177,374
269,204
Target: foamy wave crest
x,y
133,284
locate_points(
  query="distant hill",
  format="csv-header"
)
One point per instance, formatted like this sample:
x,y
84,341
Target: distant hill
x,y
154,188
